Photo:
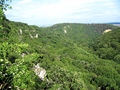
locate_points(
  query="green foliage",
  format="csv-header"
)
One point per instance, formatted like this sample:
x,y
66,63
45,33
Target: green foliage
x,y
108,45
81,34
117,58
17,74
67,57
65,79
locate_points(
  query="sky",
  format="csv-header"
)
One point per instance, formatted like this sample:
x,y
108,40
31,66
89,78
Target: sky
x,y
49,12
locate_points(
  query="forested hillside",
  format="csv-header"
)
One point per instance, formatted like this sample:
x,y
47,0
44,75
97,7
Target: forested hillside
x,y
66,56
69,65
81,34
107,46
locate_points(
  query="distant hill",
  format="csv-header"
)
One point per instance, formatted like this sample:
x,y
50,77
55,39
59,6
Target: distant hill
x,y
115,23
81,33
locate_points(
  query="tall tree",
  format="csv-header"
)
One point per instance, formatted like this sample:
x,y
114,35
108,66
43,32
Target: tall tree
x,y
4,5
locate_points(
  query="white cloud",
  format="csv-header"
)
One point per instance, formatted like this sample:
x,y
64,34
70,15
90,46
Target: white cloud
x,y
57,10
63,10
18,8
25,1
77,17
110,5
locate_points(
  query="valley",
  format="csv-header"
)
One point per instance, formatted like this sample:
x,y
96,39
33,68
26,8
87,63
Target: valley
x,y
64,56
73,56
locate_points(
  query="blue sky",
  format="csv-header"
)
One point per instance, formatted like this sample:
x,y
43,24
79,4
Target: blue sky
x,y
49,12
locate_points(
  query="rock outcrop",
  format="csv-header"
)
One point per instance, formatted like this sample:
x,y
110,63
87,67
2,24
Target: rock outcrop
x,y
108,30
36,36
65,31
40,72
20,31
